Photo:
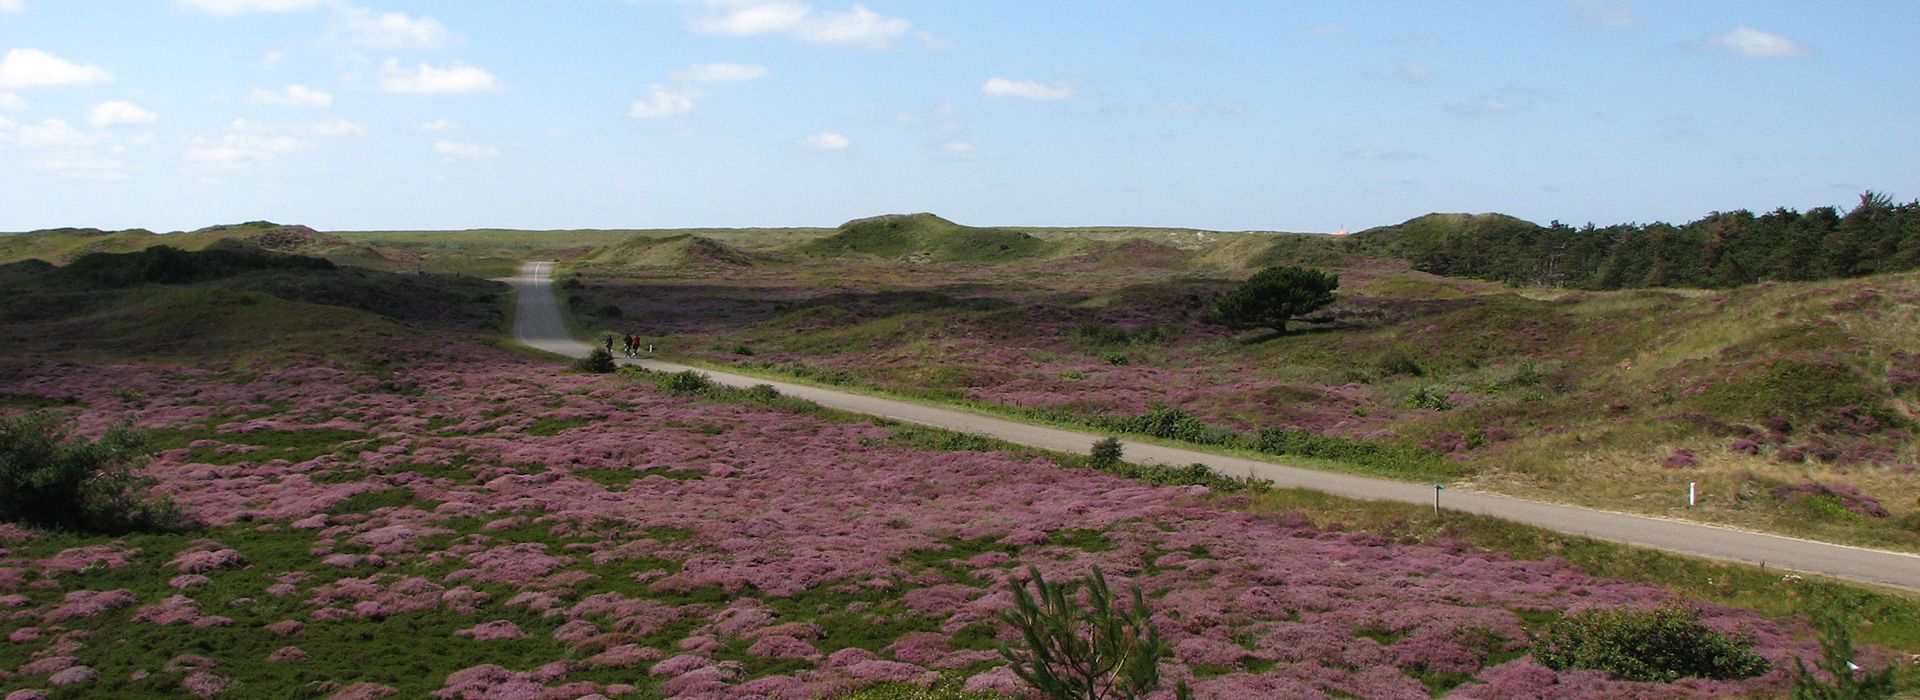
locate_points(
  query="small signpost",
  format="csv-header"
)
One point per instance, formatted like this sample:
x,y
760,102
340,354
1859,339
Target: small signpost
x,y
1437,488
1690,494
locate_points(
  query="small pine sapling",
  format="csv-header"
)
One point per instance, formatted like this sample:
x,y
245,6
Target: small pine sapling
x,y
1096,650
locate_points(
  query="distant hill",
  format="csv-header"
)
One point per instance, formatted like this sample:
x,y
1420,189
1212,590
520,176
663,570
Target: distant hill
x,y
1721,249
926,238
65,245
670,251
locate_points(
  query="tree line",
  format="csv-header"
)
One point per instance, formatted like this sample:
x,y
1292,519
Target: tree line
x,y
1722,249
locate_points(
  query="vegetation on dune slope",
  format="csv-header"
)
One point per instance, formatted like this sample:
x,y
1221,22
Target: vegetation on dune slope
x,y
925,237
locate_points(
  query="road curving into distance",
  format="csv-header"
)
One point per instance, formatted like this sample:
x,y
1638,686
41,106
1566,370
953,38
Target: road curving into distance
x,y
538,323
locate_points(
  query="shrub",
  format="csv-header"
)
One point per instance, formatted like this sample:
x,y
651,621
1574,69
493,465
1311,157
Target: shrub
x,y
1835,620
609,311
1105,454
1114,358
1169,423
1096,650
742,349
1429,397
1276,295
598,362
51,479
685,383
1658,646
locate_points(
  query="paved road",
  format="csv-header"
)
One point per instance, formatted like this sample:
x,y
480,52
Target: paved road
x,y
538,324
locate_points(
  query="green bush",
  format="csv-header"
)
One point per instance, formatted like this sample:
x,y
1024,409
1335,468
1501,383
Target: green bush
x,y
1429,397
1658,646
1169,423
598,362
52,479
685,383
1835,620
1106,454
1102,649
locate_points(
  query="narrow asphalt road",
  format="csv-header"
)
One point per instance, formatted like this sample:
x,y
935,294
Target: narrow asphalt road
x,y
538,324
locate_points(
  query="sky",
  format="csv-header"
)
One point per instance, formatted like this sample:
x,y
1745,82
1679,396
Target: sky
x,y
1214,114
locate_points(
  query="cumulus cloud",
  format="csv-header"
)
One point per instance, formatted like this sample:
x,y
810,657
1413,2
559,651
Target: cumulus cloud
x,y
234,7
453,150
1749,42
390,30
1411,69
248,145
424,79
31,68
119,112
10,102
1604,14
825,141
1026,89
295,95
958,148
720,73
442,124
65,151
662,101
13,5
855,26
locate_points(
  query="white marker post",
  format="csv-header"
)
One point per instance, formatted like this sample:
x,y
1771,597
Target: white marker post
x,y
1689,494
1437,488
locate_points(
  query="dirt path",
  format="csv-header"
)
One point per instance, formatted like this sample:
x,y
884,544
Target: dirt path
x,y
538,324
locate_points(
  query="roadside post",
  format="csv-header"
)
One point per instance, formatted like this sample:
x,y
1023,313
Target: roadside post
x,y
1437,488
1690,494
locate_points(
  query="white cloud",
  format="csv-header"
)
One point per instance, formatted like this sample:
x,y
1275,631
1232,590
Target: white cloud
x,y
324,127
424,79
1757,43
336,127
295,95
662,102
720,73
237,152
442,124
1411,69
1604,14
1026,89
234,7
66,151
391,30
959,148
825,141
856,26
119,112
13,5
464,151
29,68
10,102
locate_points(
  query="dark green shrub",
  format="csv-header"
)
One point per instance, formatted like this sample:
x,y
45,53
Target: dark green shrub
x,y
685,383
609,311
742,349
52,479
1399,365
599,361
1276,295
1095,649
1105,454
1169,423
1658,646
1429,397
1835,620
1114,358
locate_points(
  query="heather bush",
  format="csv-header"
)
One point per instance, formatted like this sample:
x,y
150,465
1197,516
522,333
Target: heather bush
x,y
1658,646
1835,618
685,383
1169,423
599,362
1405,461
1092,649
1105,454
52,479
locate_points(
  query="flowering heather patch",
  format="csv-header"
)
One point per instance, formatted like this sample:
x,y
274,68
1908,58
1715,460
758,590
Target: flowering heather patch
x,y
752,553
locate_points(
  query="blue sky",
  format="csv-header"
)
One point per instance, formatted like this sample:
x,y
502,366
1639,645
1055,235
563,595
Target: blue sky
x,y
363,114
